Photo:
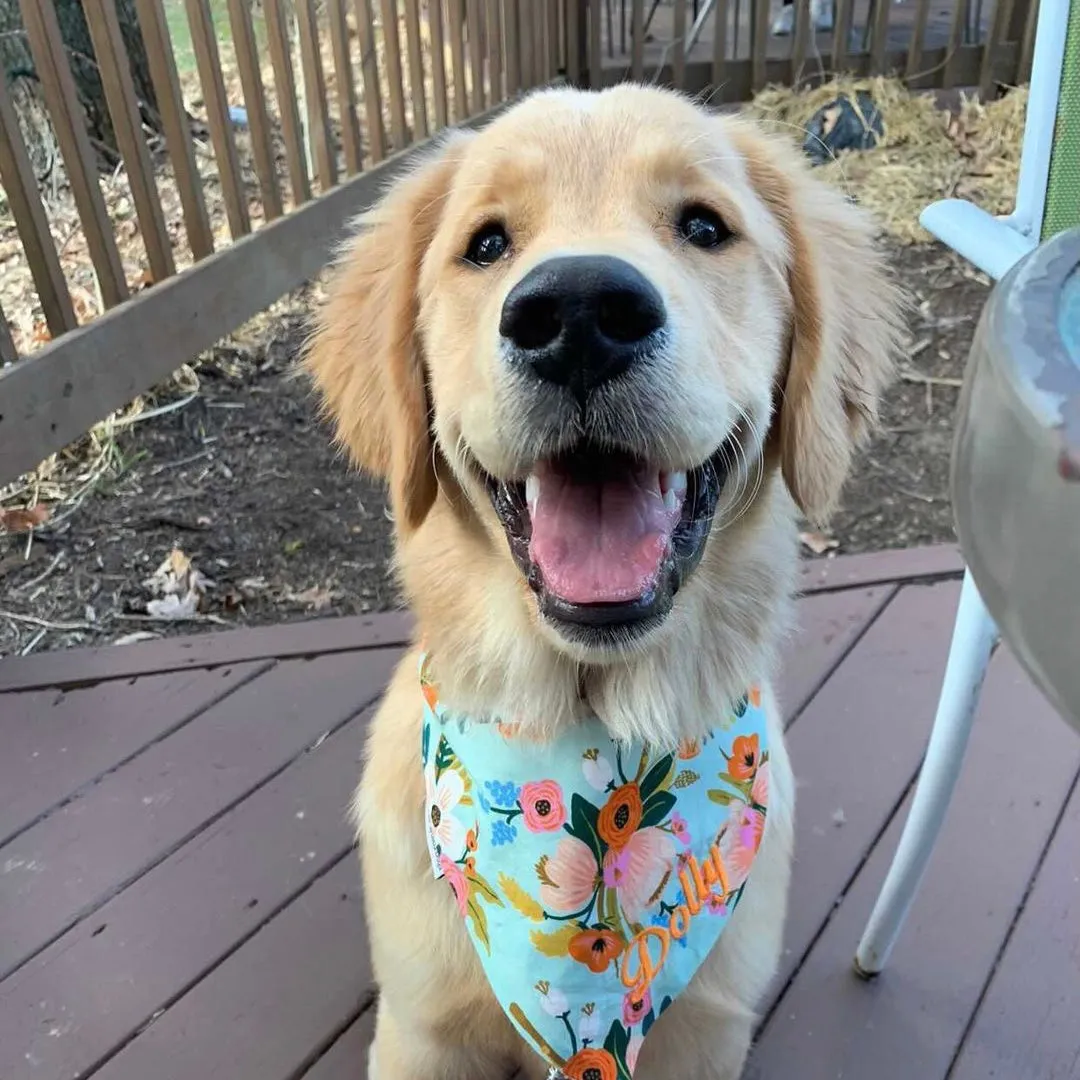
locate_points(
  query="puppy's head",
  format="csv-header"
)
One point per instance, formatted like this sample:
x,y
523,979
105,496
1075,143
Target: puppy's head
x,y
598,328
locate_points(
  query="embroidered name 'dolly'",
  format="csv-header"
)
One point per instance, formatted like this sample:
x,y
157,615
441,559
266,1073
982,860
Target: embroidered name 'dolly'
x,y
594,877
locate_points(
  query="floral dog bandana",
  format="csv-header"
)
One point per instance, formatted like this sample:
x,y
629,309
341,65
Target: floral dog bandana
x,y
594,877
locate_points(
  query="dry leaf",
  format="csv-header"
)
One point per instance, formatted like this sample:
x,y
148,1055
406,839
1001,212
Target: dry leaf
x,y
315,598
17,519
178,588
818,543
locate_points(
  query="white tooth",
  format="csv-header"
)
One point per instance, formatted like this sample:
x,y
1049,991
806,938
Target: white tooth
x,y
671,501
677,480
532,490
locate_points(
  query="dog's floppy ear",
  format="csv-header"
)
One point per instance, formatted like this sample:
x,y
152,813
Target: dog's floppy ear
x,y
365,352
845,324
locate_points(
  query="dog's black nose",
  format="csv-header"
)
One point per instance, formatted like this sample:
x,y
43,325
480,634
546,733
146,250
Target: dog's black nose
x,y
581,320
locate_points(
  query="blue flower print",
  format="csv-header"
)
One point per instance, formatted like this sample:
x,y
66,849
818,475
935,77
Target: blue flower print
x,y
502,832
503,794
484,804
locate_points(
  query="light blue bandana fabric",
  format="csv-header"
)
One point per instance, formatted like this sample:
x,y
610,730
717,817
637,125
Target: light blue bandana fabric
x,y
593,877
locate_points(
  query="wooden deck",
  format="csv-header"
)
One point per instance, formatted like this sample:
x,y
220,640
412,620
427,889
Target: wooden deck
x,y
179,899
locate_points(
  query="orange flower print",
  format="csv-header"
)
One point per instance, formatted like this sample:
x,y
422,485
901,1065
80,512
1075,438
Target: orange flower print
x,y
740,841
596,949
754,695
745,757
688,749
542,806
591,1064
621,816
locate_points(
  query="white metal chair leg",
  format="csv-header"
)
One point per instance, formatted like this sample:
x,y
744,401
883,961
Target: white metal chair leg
x,y
973,641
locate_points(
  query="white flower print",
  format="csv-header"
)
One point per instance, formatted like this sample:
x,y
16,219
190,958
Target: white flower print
x,y
597,769
443,797
552,1000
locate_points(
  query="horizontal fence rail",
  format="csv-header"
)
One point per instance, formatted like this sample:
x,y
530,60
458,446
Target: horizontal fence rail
x,y
276,121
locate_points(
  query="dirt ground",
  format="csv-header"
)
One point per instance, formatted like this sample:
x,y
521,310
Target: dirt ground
x,y
244,482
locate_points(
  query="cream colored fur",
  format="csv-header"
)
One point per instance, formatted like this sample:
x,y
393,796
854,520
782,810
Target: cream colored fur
x,y
787,333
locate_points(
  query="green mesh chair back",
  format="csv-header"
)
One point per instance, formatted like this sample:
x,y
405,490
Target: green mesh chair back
x,y
1063,186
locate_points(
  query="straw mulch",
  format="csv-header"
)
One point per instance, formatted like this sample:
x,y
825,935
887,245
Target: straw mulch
x,y
927,153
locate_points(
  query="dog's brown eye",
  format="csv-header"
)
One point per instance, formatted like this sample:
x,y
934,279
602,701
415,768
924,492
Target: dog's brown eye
x,y
702,227
488,245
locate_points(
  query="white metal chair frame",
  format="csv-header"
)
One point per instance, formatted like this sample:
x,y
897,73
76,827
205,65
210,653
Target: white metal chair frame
x,y
993,245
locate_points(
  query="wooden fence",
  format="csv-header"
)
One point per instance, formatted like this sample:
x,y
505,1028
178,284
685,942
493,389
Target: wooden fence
x,y
337,96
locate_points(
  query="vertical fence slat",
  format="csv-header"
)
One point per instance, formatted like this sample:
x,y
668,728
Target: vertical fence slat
x,y
918,39
346,88
596,55
277,38
552,7
1027,44
999,26
573,39
637,41
318,111
65,112
956,37
720,20
879,39
394,77
542,49
174,121
438,62
208,61
843,16
262,143
759,44
474,31
457,57
800,40
369,70
24,201
8,353
416,69
524,36
512,47
495,58
678,45
123,106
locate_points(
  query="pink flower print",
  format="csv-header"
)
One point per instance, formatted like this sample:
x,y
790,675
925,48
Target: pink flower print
x,y
567,878
459,886
635,1009
633,1049
759,793
715,904
616,867
597,769
680,829
648,856
739,842
542,805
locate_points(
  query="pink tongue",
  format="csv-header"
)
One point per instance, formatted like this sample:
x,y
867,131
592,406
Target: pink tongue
x,y
603,540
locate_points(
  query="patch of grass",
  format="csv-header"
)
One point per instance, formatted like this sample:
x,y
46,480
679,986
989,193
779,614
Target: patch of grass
x,y
180,32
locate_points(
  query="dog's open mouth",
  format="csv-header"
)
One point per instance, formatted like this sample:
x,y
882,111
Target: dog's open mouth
x,y
606,540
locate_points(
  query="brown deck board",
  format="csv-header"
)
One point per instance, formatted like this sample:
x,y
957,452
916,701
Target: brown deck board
x,y
909,1022
55,742
855,750
347,1058
273,1006
76,858
828,626
110,974
316,637
1027,1025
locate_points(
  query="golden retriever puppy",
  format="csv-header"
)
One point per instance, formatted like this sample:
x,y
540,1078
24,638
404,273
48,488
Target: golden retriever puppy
x,y
604,352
